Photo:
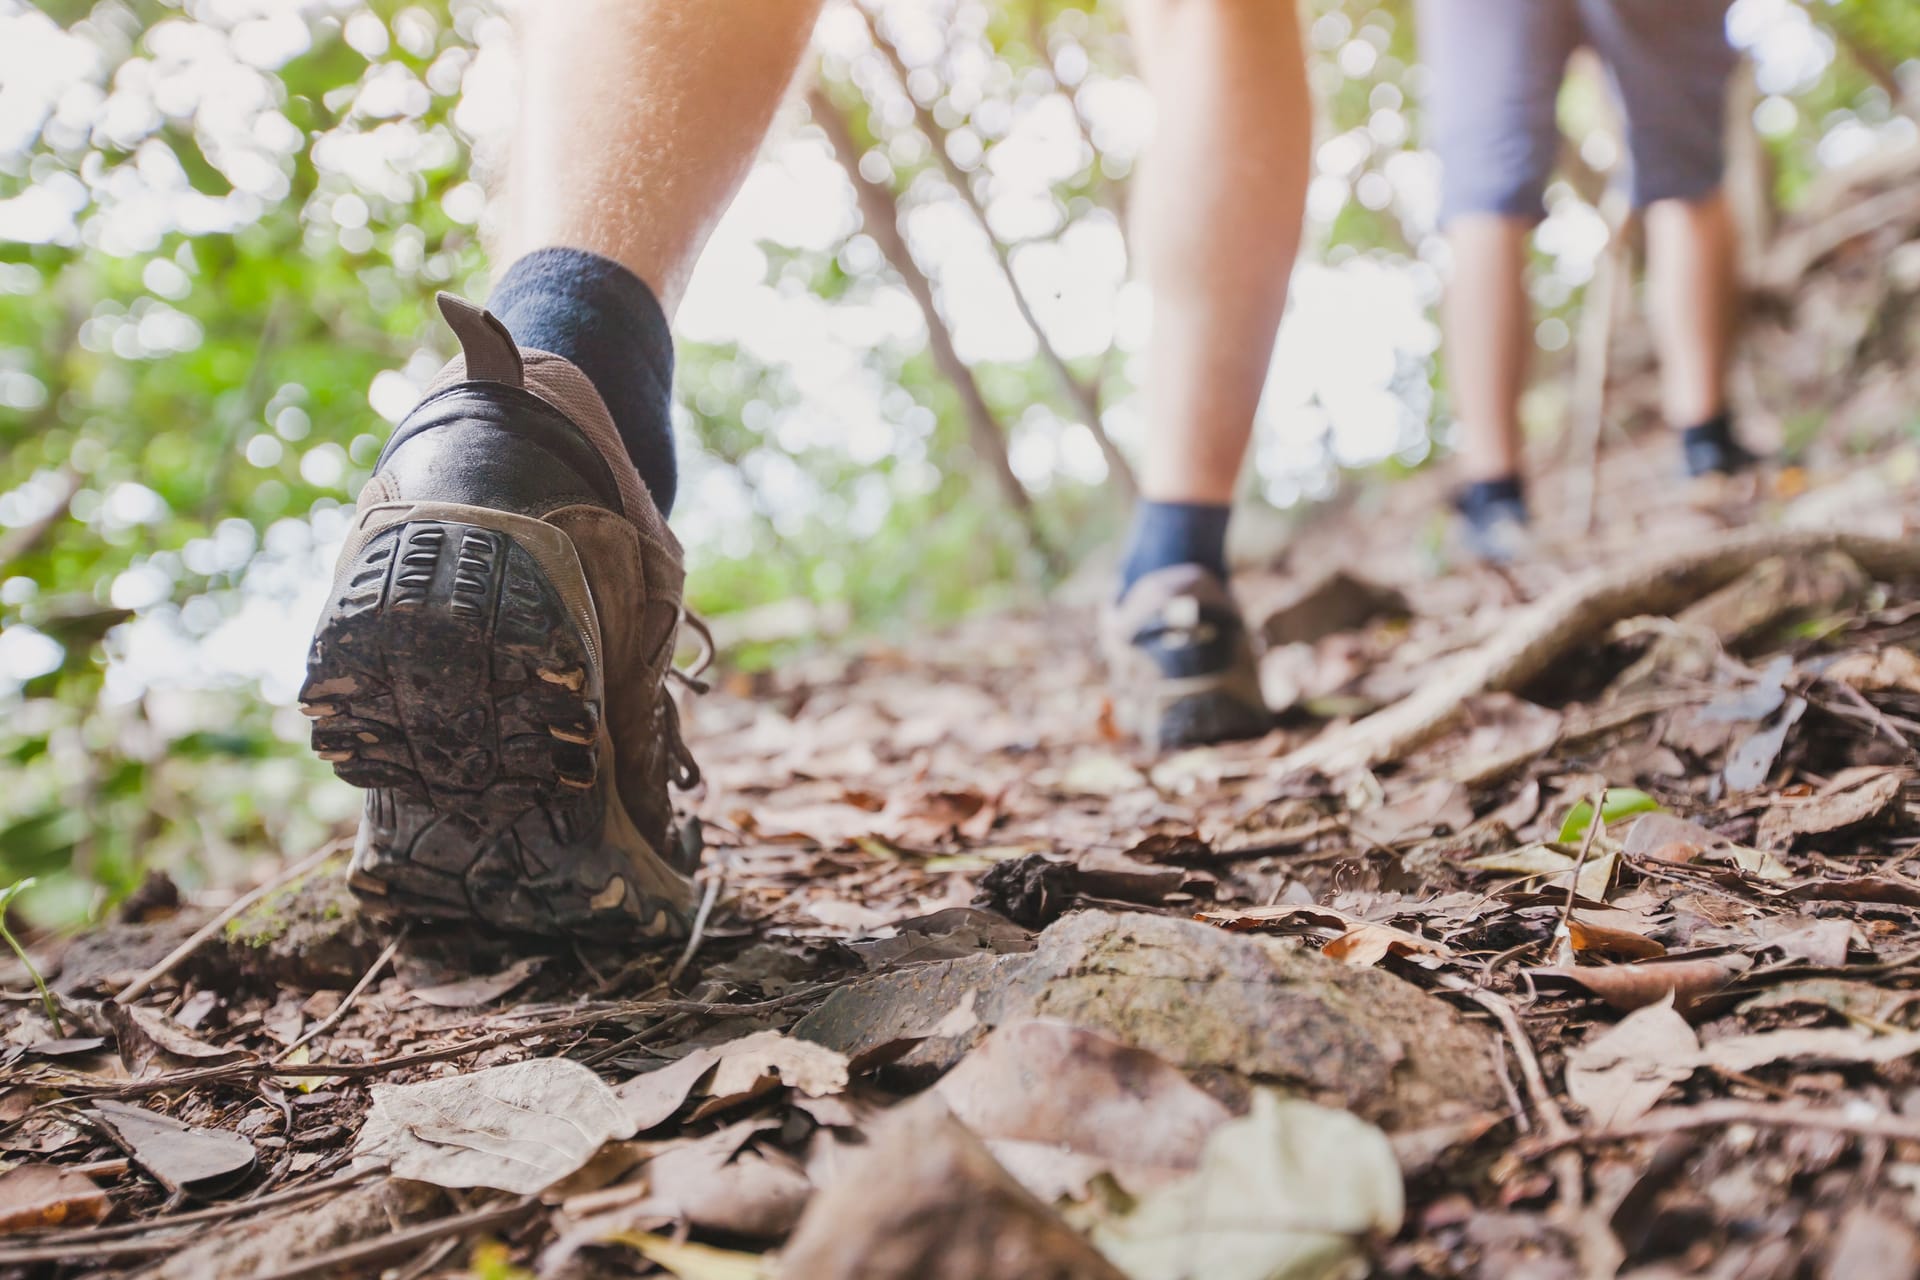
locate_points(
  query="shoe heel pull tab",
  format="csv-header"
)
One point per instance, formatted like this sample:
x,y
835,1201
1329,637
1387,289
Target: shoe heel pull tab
x,y
491,354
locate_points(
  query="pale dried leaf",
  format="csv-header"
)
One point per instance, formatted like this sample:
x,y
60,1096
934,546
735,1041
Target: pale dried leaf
x,y
1081,1093
1368,944
1292,1190
518,1128
756,1062
1826,1044
1619,1075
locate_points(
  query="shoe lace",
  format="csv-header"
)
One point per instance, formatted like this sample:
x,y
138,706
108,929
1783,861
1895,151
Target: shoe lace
x,y
685,769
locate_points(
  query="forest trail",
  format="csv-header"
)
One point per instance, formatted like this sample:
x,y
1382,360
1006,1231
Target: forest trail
x,y
981,990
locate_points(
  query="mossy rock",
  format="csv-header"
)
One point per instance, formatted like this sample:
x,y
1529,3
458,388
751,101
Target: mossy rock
x,y
308,934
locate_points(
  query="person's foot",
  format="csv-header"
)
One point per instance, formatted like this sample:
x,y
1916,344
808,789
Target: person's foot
x,y
1493,520
1712,449
1179,661
491,663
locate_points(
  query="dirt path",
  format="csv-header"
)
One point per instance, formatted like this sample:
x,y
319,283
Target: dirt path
x,y
985,992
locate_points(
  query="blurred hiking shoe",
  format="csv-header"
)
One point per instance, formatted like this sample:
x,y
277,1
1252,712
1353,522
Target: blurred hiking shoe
x,y
1493,520
1712,449
1179,663
491,665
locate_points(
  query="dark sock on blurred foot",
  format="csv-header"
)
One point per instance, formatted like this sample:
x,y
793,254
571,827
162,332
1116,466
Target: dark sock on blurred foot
x,y
1710,448
1170,533
1493,517
601,316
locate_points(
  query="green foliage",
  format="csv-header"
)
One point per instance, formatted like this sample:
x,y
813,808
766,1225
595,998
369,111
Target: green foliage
x,y
7,895
1618,803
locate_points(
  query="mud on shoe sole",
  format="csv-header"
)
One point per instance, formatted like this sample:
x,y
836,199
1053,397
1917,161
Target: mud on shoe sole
x,y
449,679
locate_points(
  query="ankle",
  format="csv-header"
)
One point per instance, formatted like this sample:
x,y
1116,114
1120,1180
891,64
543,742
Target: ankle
x,y
605,320
1479,495
1165,534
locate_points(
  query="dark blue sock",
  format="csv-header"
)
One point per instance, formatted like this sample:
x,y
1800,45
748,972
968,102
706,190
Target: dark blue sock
x,y
1170,533
605,319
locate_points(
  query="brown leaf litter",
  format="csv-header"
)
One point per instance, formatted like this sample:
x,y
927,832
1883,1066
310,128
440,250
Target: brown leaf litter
x,y
989,993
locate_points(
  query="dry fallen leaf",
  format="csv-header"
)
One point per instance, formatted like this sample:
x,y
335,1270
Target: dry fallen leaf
x,y
740,1069
768,1059
36,1196
1633,986
471,992
148,1039
180,1157
686,1260
1618,944
1369,944
1076,1092
1620,1074
717,1183
518,1128
1550,866
1878,670
1292,1189
1853,798
1827,1044
924,1200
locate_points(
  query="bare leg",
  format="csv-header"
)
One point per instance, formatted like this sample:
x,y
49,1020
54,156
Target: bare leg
x,y
638,121
1485,316
1692,265
1219,205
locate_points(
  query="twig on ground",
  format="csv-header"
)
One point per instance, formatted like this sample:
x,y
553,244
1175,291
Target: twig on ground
x,y
1569,1177
1563,932
1729,1111
340,1010
1570,616
214,1213
140,985
699,934
239,1072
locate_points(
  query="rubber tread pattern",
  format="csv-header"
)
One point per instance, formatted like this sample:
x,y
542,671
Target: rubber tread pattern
x,y
449,681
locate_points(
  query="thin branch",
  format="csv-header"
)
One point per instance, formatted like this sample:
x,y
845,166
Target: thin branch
x,y
1869,61
1085,396
332,1020
19,541
1729,1111
881,215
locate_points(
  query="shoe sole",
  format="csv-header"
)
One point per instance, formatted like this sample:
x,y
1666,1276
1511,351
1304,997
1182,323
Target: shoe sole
x,y
451,680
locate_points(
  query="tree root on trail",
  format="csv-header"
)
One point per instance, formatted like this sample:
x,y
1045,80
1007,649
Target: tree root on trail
x,y
1549,628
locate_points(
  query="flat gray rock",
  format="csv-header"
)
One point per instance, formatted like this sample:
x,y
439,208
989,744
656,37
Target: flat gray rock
x,y
1203,999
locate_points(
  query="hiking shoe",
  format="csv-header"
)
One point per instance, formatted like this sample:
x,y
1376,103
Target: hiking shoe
x,y
1711,449
491,663
1493,521
1179,662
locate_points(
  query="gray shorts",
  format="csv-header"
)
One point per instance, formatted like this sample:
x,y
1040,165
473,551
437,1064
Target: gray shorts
x,y
1494,69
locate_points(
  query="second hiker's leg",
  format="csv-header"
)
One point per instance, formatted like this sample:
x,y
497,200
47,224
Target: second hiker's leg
x,y
1671,62
1218,208
1494,70
491,665
1692,266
